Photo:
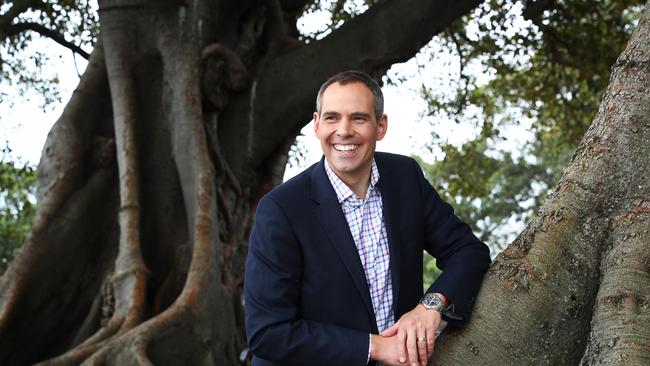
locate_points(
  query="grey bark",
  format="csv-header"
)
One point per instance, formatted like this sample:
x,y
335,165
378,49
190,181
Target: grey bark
x,y
574,287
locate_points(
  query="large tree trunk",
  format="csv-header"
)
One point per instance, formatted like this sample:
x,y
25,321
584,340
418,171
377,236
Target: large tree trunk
x,y
149,179
574,287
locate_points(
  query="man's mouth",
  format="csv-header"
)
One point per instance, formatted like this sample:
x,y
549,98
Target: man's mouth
x,y
340,147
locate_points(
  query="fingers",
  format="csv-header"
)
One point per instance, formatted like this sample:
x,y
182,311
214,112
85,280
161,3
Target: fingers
x,y
422,348
415,335
423,340
431,331
430,341
412,346
401,345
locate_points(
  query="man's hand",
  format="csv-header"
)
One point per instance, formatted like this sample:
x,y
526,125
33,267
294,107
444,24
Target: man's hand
x,y
384,350
416,333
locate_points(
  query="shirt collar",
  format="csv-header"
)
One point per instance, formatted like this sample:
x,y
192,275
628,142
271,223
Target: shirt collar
x,y
342,190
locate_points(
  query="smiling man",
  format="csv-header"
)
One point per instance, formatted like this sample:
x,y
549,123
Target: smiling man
x,y
334,268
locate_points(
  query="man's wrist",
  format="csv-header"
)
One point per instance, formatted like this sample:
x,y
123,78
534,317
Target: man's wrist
x,y
373,347
377,346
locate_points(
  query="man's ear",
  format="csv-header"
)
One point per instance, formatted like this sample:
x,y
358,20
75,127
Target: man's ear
x,y
382,127
316,121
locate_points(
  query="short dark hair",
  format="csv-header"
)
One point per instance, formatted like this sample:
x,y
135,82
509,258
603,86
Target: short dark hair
x,y
351,76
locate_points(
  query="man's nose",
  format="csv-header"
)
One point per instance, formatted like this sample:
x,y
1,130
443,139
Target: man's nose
x,y
345,127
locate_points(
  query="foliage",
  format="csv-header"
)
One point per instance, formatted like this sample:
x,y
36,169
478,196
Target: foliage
x,y
486,191
17,206
547,63
431,271
71,21
22,65
338,12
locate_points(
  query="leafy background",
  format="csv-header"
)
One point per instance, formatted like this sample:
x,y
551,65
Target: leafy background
x,y
537,66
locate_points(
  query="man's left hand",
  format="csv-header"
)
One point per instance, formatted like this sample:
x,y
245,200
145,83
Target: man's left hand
x,y
416,332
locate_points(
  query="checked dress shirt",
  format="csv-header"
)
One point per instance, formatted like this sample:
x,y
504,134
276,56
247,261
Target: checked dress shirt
x,y
366,221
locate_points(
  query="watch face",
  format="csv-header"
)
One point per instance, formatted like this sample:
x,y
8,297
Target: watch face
x,y
435,300
431,301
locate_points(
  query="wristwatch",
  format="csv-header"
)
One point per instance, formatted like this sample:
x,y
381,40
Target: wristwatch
x,y
433,302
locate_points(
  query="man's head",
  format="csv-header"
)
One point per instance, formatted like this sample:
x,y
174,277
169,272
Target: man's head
x,y
349,121
352,76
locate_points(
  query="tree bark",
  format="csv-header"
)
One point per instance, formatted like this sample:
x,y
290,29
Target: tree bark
x,y
149,179
574,287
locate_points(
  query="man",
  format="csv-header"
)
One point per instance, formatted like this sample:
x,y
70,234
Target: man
x,y
335,255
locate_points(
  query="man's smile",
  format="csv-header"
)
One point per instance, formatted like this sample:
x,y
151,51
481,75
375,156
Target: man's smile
x,y
349,147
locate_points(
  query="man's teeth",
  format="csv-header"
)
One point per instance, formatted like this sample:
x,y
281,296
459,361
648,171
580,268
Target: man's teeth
x,y
345,147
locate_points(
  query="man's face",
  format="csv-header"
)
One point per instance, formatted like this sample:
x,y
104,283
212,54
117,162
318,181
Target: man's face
x,y
348,129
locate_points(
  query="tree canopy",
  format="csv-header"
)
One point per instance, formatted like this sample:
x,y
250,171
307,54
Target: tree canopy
x,y
548,64
71,24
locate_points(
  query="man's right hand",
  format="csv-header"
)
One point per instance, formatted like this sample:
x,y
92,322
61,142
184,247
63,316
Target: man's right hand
x,y
384,350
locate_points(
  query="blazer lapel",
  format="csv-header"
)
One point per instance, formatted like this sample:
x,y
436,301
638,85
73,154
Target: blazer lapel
x,y
331,217
389,188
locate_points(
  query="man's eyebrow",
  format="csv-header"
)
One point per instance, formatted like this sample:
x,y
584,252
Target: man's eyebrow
x,y
330,113
361,114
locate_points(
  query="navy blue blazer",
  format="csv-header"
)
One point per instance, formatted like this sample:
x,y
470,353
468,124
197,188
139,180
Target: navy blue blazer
x,y
306,297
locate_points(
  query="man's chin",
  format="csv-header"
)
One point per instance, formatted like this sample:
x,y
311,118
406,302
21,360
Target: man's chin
x,y
345,169
339,168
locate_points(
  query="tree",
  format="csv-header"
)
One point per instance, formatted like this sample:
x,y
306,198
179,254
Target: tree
x,y
541,76
574,286
161,283
149,179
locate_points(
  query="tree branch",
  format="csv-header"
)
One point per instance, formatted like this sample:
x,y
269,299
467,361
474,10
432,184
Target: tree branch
x,y
461,100
293,5
18,7
535,8
292,9
57,37
388,32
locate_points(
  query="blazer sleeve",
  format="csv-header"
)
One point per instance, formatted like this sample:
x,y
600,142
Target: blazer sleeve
x,y
461,256
272,289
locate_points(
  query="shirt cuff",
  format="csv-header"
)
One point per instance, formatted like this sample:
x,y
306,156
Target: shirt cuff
x,y
450,313
369,348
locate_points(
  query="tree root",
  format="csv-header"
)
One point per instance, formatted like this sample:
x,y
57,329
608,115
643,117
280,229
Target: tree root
x,y
127,337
